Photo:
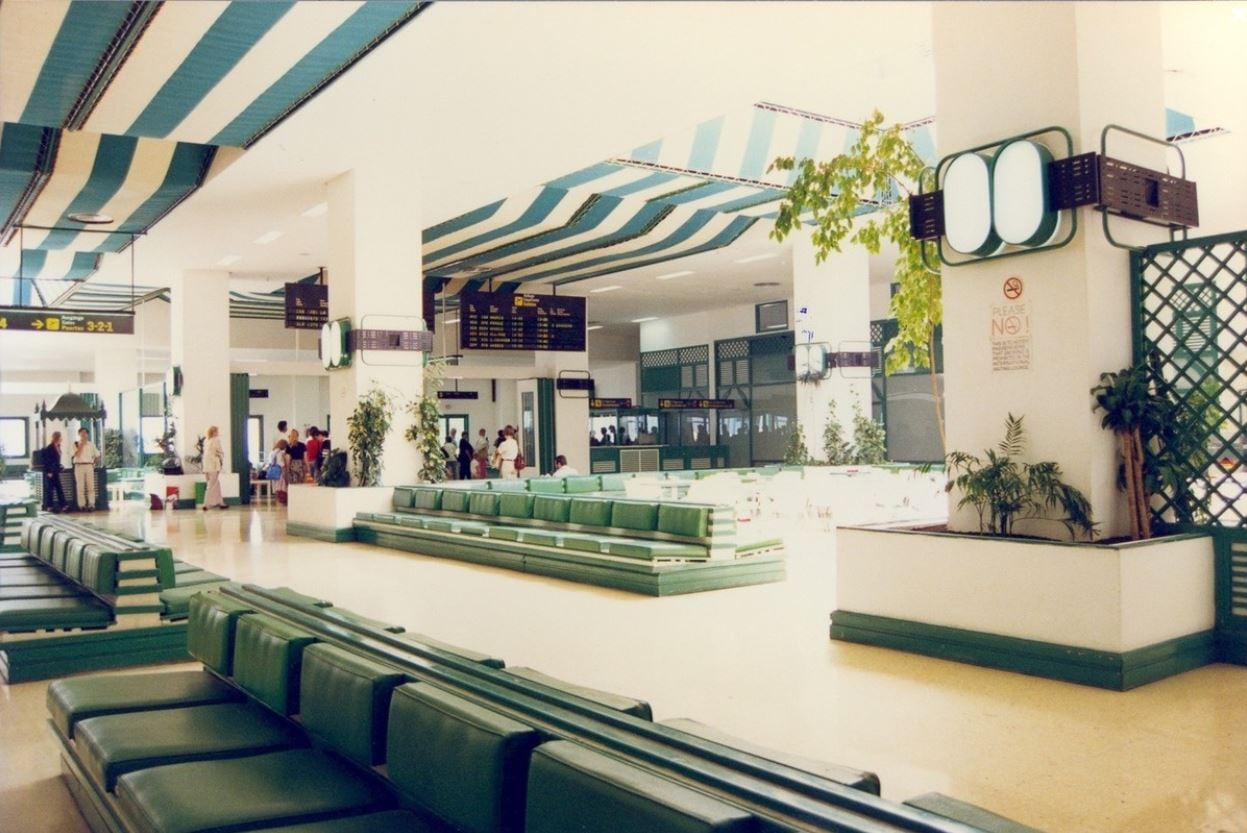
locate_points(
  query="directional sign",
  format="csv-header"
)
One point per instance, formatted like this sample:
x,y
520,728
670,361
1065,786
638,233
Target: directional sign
x,y
47,321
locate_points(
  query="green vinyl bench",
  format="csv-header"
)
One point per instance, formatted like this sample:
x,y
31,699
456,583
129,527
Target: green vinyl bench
x,y
302,722
77,597
653,547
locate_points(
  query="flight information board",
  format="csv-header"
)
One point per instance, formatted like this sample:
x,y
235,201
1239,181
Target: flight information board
x,y
511,321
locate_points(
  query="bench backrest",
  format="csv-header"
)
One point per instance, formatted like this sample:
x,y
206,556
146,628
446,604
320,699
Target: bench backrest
x,y
91,556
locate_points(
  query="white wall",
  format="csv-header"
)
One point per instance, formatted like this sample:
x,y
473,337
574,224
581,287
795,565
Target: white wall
x,y
483,412
614,380
302,401
699,328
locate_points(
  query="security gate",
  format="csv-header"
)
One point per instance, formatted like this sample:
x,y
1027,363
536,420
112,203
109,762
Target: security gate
x,y
1190,323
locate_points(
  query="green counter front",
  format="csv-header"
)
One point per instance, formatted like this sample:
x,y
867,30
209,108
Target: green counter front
x,y
635,459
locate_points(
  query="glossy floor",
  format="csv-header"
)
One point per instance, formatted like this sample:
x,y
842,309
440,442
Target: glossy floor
x,y
755,662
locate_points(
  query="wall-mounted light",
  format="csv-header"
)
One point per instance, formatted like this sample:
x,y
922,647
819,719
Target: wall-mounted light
x,y
610,288
268,237
643,320
756,258
671,275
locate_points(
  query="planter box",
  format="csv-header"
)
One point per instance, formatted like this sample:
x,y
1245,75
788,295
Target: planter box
x,y
1116,615
327,514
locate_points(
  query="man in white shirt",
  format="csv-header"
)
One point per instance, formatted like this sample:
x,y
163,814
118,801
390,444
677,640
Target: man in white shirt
x,y
85,457
561,469
508,450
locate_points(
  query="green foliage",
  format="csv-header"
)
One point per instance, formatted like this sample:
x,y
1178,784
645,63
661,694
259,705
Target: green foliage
x,y
426,428
198,456
796,453
114,448
837,450
870,442
369,424
1004,490
336,472
879,171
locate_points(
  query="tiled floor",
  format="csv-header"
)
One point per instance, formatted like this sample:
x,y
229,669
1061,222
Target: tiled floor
x,y
1168,758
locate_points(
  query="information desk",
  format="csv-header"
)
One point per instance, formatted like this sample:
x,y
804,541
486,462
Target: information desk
x,y
632,459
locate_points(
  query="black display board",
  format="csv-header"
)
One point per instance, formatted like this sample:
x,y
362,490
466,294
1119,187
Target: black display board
x,y
307,306
458,394
507,321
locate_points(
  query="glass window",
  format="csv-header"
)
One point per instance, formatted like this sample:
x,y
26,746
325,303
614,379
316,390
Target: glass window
x,y
774,412
153,430
14,437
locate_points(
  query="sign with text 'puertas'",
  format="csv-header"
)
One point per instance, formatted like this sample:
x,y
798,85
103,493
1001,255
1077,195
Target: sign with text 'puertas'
x,y
507,321
47,321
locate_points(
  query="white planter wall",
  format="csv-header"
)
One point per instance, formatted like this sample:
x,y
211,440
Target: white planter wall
x,y
329,509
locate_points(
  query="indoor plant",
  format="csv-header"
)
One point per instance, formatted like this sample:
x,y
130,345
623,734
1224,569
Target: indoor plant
x,y
369,424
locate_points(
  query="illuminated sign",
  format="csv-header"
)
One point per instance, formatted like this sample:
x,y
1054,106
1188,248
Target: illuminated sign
x,y
44,321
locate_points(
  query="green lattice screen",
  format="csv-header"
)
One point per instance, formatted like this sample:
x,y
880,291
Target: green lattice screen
x,y
1191,320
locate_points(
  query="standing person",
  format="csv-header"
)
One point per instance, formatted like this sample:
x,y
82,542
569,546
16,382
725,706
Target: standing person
x,y
313,452
50,457
482,442
502,435
214,461
86,455
281,460
296,471
450,450
507,452
282,431
465,457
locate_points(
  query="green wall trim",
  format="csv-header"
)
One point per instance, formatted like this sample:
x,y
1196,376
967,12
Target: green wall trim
x,y
321,533
1104,669
239,411
547,440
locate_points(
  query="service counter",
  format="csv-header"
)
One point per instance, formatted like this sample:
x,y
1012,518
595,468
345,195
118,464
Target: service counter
x,y
635,459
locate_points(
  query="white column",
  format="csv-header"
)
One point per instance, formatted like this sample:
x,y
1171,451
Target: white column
x,y
571,413
199,329
1004,69
835,297
116,371
375,281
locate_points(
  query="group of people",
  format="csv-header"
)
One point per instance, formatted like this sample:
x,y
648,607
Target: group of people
x,y
292,461
466,460
85,458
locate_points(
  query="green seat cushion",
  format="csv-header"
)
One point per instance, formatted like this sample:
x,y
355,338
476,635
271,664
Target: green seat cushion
x,y
552,509
464,653
413,520
184,567
346,701
388,821
99,569
18,560
40,591
591,512
114,744
653,549
473,528
857,779
455,500
29,577
40,614
579,484
571,787
546,485
689,521
442,524
210,632
242,793
198,577
427,499
483,503
583,542
268,655
73,559
515,505
638,516
628,705
541,537
505,533
177,600
507,485
615,482
466,764
404,497
79,698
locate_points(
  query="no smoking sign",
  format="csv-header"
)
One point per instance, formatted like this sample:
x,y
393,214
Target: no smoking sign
x,y
1013,288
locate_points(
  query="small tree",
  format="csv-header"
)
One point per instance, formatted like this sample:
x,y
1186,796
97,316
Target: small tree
x,y
796,453
114,448
836,448
870,442
369,424
425,429
878,171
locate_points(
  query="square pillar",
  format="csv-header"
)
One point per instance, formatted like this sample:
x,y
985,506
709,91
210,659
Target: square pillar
x,y
199,338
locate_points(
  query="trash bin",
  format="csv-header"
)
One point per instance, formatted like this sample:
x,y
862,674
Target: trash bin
x,y
201,493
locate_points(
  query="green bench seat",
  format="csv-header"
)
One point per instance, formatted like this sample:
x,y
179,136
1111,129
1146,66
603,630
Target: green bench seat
x,y
40,591
177,599
198,577
73,700
54,614
35,576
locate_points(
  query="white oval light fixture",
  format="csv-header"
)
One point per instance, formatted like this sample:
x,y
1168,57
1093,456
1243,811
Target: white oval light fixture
x,y
1020,207
90,218
967,199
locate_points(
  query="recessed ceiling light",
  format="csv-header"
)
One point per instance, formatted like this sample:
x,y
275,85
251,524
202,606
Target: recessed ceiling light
x,y
317,210
767,283
671,275
269,237
610,288
451,321
593,327
229,260
755,258
90,218
643,320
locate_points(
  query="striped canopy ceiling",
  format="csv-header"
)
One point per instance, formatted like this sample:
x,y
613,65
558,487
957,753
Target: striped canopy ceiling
x,y
688,193
124,108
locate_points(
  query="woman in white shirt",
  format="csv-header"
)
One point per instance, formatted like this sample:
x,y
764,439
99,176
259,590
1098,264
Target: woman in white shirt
x,y
214,460
507,452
